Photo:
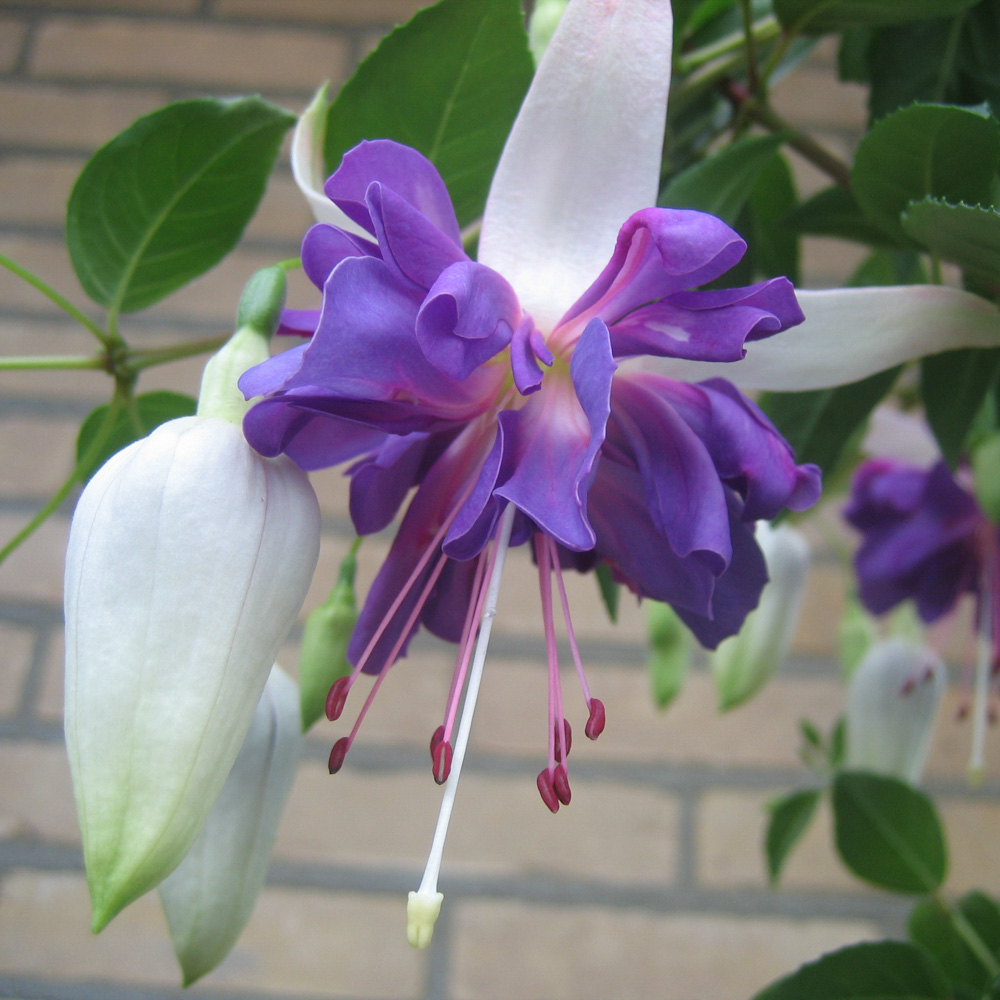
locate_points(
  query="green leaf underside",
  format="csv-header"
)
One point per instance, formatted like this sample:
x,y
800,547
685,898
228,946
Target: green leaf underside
x,y
610,591
722,184
888,832
836,15
834,212
877,970
449,83
789,820
669,652
151,410
169,197
965,235
925,150
953,386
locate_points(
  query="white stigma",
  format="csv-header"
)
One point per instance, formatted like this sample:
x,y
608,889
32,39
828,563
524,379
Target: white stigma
x,y
424,905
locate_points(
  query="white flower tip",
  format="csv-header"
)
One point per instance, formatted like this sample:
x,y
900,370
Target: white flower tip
x,y
422,911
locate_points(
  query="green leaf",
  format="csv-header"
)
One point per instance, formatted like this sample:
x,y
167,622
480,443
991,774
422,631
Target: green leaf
x,y
722,183
610,591
819,424
953,386
670,647
966,235
790,818
449,82
986,476
925,150
168,198
834,212
888,833
774,246
933,927
835,15
876,970
150,410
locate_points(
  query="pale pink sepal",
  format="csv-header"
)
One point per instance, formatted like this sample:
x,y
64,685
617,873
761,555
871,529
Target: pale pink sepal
x,y
584,152
850,333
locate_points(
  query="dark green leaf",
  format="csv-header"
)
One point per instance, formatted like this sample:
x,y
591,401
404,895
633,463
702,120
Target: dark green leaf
x,y
852,56
986,476
449,82
722,183
835,15
953,386
877,970
790,817
819,424
669,652
888,832
774,246
151,410
933,928
610,591
966,235
169,197
834,212
925,150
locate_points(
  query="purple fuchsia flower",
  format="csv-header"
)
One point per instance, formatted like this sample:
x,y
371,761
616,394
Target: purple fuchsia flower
x,y
925,539
505,392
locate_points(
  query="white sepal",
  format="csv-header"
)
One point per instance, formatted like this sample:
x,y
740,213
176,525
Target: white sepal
x,y
745,662
892,701
189,557
850,333
209,896
583,154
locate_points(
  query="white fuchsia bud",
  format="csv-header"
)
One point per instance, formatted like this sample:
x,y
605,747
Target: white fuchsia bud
x,y
892,701
209,896
744,663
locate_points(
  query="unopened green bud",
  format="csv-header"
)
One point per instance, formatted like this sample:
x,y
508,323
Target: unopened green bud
x,y
856,632
257,318
323,658
670,647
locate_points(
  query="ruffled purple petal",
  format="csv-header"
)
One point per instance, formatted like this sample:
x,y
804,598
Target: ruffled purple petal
x,y
297,323
466,319
707,326
660,251
554,441
402,169
527,349
325,246
686,498
381,480
749,453
271,375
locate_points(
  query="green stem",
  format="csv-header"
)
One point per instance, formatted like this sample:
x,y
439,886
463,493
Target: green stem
x,y
762,31
55,362
948,62
137,360
750,45
971,937
55,298
289,264
97,444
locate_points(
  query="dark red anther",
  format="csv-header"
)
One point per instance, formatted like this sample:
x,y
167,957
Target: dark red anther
x,y
441,761
560,783
436,738
962,712
567,732
338,753
337,697
595,724
547,791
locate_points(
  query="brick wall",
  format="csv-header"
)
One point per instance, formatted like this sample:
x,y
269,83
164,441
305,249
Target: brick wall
x,y
650,884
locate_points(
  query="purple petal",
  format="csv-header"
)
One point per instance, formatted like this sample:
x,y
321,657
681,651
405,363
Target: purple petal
x,y
402,169
466,319
686,498
381,480
298,323
707,326
527,348
660,251
555,439
325,246
271,375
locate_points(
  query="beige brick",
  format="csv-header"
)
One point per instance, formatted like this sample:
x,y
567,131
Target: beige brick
x,y
17,645
36,455
34,571
30,338
283,215
53,117
348,12
731,827
36,798
816,98
829,263
141,6
951,745
50,696
12,32
201,54
499,827
973,850
34,190
590,954
822,608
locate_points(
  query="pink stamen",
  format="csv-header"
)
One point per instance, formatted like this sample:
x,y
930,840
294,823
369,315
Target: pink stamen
x,y
563,739
547,790
542,555
560,782
436,738
337,697
595,724
441,761
338,753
